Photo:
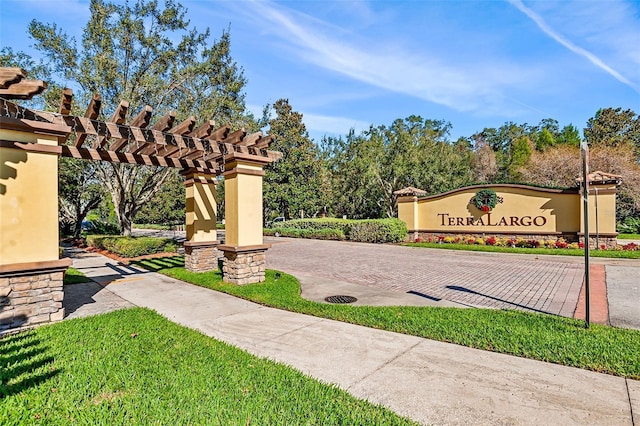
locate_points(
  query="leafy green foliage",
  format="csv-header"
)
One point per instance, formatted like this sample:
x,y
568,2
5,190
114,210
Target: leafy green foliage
x,y
538,336
148,55
366,169
378,231
295,183
343,225
631,225
79,193
614,127
318,234
363,230
167,206
133,366
127,246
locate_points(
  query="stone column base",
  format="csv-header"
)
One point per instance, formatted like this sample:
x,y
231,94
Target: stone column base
x,y
201,256
602,241
31,293
244,265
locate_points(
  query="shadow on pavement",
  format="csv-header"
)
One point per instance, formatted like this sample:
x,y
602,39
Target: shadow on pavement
x,y
467,290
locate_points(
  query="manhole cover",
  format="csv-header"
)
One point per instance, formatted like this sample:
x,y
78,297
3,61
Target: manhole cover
x,y
340,299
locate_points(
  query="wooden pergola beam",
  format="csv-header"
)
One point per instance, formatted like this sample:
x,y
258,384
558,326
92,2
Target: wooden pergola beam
x,y
92,113
119,116
206,148
141,121
204,130
9,76
23,89
235,137
66,99
250,139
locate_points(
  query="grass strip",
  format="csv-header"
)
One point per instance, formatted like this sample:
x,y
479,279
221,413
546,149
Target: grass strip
x,y
537,336
615,254
629,236
135,367
73,276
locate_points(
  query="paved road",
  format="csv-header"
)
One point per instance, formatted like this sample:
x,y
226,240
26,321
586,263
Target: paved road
x,y
623,292
548,284
489,280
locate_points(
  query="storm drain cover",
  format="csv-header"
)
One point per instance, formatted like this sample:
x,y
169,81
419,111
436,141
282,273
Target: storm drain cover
x,y
340,299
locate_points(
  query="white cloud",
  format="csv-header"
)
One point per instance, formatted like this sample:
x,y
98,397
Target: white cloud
x,y
564,41
332,125
394,68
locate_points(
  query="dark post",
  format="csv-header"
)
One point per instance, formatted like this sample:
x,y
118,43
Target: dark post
x,y
584,150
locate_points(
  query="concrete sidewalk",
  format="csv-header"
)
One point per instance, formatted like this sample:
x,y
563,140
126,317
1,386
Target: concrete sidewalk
x,y
428,381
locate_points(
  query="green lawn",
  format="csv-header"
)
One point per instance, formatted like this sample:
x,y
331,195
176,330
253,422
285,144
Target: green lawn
x,y
629,236
73,276
615,254
135,367
537,336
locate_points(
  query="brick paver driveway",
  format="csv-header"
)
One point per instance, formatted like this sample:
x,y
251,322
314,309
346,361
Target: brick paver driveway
x,y
475,279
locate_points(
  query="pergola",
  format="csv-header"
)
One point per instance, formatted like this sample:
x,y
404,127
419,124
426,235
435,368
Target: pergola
x,y
30,143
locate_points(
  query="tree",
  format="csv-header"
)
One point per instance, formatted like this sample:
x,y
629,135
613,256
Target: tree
x,y
521,151
145,54
368,168
167,207
569,135
296,182
614,127
79,193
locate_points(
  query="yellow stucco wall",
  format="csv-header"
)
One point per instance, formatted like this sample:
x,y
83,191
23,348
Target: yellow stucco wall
x,y
28,201
605,203
408,211
243,206
201,209
523,210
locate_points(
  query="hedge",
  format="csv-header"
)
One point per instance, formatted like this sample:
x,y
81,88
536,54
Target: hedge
x,y
132,246
367,231
318,234
378,231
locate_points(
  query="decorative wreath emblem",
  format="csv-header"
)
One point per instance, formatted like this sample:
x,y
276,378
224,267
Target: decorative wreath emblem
x,y
486,200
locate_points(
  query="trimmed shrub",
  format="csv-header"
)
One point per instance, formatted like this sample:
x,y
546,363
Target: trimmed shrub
x,y
318,234
343,225
132,246
378,231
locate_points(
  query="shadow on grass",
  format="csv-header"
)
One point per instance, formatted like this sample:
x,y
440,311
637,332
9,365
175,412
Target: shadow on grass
x,y
23,363
160,263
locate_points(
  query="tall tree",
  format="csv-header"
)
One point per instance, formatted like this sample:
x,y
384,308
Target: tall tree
x,y
569,135
79,193
614,127
146,54
368,168
295,183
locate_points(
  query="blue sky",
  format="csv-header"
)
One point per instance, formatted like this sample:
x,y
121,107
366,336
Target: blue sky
x,y
349,64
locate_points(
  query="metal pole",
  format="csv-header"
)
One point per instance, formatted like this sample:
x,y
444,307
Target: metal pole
x,y
595,199
584,148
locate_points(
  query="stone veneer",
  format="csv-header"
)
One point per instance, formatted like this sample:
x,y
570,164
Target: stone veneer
x,y
30,297
244,267
201,257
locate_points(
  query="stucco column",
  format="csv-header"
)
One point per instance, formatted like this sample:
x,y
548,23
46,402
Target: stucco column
x,y
602,214
244,257
408,213
31,271
201,245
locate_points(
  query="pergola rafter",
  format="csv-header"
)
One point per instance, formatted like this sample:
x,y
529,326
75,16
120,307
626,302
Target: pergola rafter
x,y
185,145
